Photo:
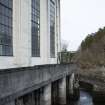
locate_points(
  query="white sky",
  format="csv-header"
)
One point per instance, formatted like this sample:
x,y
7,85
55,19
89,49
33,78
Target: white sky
x,y
80,18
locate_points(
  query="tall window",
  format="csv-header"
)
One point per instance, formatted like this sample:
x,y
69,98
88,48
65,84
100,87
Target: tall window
x,y
35,28
52,28
6,28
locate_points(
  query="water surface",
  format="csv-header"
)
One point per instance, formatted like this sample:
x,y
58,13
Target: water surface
x,y
85,99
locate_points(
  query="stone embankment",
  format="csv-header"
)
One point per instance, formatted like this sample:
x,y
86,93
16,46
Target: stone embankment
x,y
96,78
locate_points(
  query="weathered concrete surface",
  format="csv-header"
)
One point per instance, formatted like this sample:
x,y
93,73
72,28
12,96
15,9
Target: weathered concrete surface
x,y
62,91
10,103
94,76
17,82
47,95
96,87
97,84
55,92
71,83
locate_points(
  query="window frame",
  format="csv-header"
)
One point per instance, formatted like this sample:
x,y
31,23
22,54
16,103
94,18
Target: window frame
x,y
6,28
52,28
35,28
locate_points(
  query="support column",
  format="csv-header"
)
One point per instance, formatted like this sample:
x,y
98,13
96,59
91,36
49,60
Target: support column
x,y
68,90
62,91
46,95
27,99
55,92
71,84
19,101
73,88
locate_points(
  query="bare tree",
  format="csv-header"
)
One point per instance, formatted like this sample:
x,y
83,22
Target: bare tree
x,y
64,45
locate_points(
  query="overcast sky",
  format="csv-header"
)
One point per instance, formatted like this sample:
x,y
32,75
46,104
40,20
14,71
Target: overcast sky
x,y
80,18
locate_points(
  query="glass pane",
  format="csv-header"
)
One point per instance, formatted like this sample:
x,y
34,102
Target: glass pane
x,y
6,27
35,28
52,28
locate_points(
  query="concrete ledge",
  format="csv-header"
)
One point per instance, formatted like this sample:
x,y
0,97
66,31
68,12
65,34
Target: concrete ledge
x,y
19,81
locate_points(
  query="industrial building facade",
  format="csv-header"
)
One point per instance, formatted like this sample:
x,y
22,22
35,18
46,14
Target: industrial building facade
x,y
29,47
29,32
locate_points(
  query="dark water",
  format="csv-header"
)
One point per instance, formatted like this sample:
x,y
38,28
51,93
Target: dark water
x,y
85,99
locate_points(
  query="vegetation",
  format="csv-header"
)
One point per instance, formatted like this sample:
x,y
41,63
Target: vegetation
x,y
92,50
65,56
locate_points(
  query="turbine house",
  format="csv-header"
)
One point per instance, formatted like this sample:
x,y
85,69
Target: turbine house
x,y
30,73
29,32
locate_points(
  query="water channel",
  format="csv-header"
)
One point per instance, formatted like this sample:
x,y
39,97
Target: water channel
x,y
85,99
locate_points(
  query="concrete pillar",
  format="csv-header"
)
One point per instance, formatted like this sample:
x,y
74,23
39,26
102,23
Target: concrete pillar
x,y
67,90
46,95
73,88
71,83
41,96
55,93
62,91
37,97
27,99
19,101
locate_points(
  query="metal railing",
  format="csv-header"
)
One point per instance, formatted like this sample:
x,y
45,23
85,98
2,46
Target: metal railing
x,y
65,57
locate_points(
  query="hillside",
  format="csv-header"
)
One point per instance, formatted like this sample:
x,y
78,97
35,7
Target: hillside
x,y
92,50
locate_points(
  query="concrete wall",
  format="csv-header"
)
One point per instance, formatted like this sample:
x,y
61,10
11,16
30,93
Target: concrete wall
x,y
11,103
22,35
56,92
17,82
62,91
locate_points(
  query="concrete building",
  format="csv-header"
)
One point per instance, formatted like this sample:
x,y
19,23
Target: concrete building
x,y
29,32
29,46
